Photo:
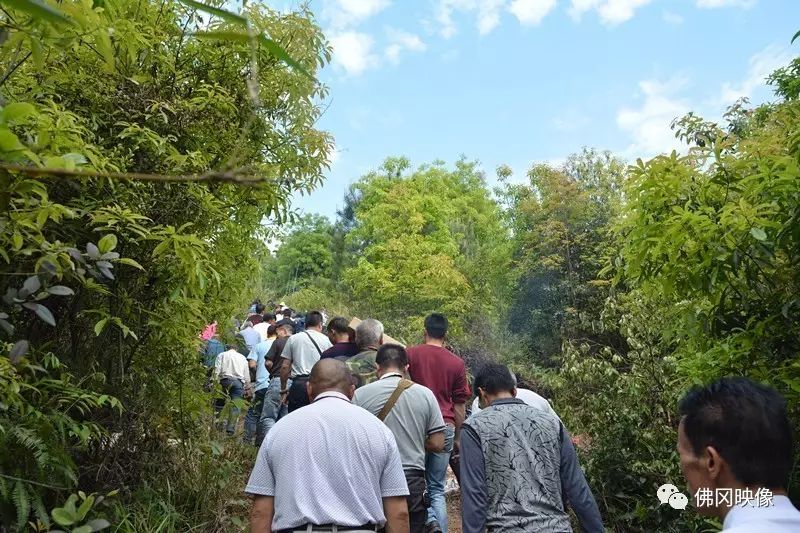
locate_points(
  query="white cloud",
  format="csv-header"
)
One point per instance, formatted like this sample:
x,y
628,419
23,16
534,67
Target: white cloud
x,y
672,18
531,12
760,66
344,14
611,12
352,51
487,15
400,41
649,124
711,4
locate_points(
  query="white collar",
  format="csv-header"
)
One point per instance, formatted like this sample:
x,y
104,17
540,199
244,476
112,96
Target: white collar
x,y
748,512
332,394
392,375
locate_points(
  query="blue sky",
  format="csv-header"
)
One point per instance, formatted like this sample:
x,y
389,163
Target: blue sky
x,y
517,81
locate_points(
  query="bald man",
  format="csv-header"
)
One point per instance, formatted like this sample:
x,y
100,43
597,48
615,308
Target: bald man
x,y
336,467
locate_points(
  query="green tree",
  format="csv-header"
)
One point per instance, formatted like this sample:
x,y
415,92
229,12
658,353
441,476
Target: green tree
x,y
560,222
138,159
305,255
426,240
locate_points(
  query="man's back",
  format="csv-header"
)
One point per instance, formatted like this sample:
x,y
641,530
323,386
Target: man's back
x,y
330,462
442,372
363,367
232,364
415,416
304,350
521,448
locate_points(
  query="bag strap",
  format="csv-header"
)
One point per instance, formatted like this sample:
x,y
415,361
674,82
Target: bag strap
x,y
314,343
387,407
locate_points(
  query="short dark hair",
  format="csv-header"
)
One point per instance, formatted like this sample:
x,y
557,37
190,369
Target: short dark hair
x,y
391,356
436,325
287,312
271,330
313,319
746,423
338,324
259,308
494,378
266,317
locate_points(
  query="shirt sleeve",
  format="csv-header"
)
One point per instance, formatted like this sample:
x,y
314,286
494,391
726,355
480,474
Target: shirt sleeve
x,y
474,497
435,420
217,367
262,481
576,488
287,349
461,392
393,479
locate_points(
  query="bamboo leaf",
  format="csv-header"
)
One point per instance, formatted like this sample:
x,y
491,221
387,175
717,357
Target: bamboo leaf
x,y
233,18
39,10
278,52
223,36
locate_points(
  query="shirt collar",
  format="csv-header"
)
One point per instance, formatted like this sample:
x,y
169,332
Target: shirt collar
x,y
332,394
744,514
392,375
506,401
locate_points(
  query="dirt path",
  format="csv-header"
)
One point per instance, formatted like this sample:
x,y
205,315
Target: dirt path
x,y
454,512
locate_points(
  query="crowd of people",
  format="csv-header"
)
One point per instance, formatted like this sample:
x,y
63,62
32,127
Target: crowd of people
x,y
356,433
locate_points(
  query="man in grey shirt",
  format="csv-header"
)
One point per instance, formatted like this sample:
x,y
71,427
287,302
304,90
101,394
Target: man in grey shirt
x,y
518,464
414,418
301,353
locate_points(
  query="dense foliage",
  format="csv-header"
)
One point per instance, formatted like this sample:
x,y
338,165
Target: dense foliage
x,y
143,146
110,279
613,288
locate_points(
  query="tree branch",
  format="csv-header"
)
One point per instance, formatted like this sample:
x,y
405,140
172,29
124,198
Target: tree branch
x,y
230,176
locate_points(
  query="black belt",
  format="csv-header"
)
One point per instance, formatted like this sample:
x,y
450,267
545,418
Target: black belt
x,y
301,376
329,527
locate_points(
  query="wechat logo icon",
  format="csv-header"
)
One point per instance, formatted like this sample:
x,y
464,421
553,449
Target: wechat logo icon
x,y
669,494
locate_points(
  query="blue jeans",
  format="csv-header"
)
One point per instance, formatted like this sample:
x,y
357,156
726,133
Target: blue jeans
x,y
272,409
233,389
253,414
435,474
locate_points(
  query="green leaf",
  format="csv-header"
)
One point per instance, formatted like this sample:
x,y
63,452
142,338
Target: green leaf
x,y
758,234
796,35
82,529
32,284
223,36
39,10
42,312
107,243
83,510
60,290
221,13
16,111
8,141
277,51
98,524
130,262
19,349
98,328
62,516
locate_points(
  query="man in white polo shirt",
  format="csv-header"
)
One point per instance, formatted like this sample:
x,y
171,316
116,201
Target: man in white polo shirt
x,y
300,354
331,466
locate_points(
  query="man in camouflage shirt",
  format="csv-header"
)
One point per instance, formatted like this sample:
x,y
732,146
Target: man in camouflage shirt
x,y
369,337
